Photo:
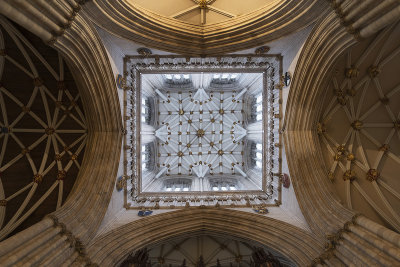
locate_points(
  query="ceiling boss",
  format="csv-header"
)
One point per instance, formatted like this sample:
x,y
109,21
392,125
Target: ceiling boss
x,y
203,6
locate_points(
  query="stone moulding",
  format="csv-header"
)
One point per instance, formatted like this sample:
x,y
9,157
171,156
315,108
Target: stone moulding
x,y
296,244
276,19
269,65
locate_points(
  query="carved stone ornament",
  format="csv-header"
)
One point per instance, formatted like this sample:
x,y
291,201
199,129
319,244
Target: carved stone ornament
x,y
262,50
120,81
349,175
372,175
144,212
285,180
143,51
121,183
260,209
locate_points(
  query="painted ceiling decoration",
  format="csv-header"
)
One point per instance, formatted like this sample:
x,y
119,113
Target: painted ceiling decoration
x,y
43,130
362,156
197,132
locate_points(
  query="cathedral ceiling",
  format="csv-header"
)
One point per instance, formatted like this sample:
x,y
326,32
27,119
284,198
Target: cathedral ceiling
x,y
212,145
359,127
43,129
204,27
201,12
210,249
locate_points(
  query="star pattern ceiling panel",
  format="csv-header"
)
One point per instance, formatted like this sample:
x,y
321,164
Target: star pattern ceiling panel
x,y
200,132
43,129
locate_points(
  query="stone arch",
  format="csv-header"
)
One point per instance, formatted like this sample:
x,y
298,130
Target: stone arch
x,y
292,242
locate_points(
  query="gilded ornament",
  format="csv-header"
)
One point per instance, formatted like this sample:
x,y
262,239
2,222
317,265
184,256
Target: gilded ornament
x,y
200,133
341,149
220,152
74,157
349,175
372,175
203,3
384,148
25,151
3,202
180,154
181,112
357,125
37,178
61,175
373,71
351,72
350,157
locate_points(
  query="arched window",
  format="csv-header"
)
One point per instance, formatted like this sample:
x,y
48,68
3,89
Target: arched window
x,y
224,78
258,107
223,185
177,185
145,111
256,155
145,157
177,78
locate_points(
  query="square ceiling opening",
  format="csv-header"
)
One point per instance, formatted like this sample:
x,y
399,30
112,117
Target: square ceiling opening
x,y
199,131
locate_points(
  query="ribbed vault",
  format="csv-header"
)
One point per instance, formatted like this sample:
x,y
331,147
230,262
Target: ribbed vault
x,y
359,127
43,129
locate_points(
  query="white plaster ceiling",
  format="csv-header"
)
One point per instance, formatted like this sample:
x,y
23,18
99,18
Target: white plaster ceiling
x,y
360,128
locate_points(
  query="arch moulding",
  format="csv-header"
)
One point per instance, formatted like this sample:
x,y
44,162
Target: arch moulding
x,y
277,19
292,242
